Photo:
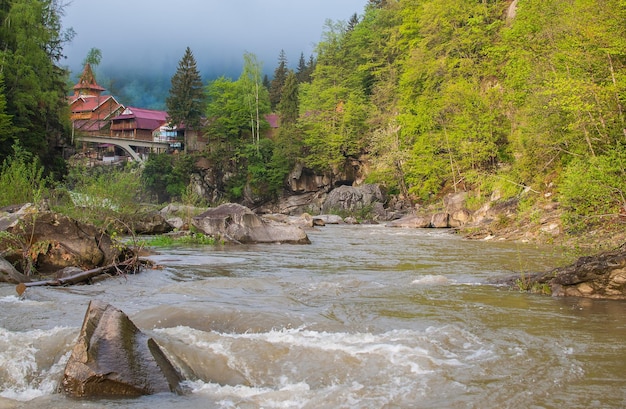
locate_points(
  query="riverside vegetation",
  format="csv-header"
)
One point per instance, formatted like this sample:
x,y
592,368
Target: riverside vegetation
x,y
515,100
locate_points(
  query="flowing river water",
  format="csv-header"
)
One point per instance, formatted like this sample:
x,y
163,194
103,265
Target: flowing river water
x,y
364,317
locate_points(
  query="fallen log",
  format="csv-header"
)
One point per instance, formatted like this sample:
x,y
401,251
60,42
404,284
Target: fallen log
x,y
132,264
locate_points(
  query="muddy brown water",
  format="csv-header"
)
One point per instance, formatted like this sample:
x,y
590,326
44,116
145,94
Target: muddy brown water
x,y
364,317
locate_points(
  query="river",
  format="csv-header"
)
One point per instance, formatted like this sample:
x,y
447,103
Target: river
x,y
364,317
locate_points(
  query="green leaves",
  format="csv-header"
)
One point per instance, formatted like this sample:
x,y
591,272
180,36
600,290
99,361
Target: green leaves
x,y
31,43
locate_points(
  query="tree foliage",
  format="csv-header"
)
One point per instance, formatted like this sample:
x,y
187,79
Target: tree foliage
x,y
31,41
442,95
186,101
278,82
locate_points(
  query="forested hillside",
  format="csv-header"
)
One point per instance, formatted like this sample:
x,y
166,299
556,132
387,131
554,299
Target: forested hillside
x,y
446,95
428,96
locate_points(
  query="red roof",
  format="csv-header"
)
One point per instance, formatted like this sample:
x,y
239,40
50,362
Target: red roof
x,y
144,118
273,120
89,103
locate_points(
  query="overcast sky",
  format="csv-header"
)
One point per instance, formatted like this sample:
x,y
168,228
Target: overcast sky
x,y
153,34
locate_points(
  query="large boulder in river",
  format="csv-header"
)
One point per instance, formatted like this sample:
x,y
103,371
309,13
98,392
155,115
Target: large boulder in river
x,y
113,358
353,198
237,223
49,242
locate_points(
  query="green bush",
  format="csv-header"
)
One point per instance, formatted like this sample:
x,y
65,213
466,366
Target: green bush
x,y
104,196
594,187
21,179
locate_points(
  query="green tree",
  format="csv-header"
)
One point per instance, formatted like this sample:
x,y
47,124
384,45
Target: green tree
x,y
289,106
186,100
255,95
226,112
167,176
278,82
93,58
31,42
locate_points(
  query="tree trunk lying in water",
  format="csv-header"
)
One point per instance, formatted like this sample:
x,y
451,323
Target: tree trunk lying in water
x,y
128,266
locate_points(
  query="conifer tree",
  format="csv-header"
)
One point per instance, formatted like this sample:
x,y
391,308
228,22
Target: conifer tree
x,y
305,69
186,100
280,75
301,70
354,20
289,103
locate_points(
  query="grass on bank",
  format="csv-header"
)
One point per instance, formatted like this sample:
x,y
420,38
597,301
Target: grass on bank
x,y
168,240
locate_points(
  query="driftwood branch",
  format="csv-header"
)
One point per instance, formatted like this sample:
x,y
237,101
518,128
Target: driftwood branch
x,y
130,264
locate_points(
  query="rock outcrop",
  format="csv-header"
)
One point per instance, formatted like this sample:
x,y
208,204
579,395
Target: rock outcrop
x,y
353,198
239,224
151,223
46,242
599,276
113,358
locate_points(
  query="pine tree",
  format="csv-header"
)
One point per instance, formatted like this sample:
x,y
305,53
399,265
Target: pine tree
x,y
301,70
289,103
186,100
280,75
354,20
305,69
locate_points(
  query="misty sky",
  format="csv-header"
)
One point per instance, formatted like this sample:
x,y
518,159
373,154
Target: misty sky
x,y
151,35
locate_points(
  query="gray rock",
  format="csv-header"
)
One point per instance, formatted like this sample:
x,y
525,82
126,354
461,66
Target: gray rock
x,y
460,218
152,223
440,220
54,241
328,219
411,221
113,358
237,223
600,276
9,274
352,198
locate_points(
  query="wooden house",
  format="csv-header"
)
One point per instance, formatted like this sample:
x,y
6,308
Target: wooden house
x,y
139,124
91,112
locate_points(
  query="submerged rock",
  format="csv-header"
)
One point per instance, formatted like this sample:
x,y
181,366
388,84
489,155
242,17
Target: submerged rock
x,y
237,223
113,358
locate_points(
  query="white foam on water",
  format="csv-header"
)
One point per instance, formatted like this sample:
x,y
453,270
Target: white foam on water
x,y
24,373
13,299
289,367
431,280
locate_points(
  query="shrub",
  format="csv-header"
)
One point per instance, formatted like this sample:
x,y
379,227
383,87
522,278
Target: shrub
x,y
594,187
21,179
102,197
